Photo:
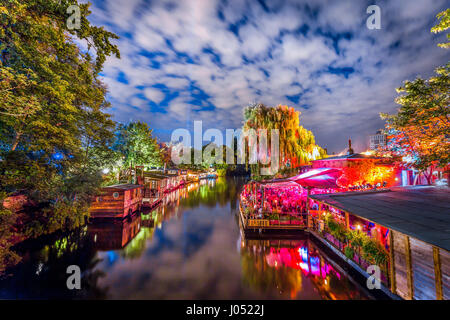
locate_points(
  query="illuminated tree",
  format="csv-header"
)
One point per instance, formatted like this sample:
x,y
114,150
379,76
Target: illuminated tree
x,y
137,146
360,173
297,144
420,130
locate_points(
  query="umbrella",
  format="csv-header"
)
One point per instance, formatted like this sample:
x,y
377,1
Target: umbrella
x,y
318,178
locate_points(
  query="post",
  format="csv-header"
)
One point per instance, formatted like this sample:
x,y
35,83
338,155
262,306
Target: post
x,y
347,220
263,194
437,273
409,275
392,262
307,209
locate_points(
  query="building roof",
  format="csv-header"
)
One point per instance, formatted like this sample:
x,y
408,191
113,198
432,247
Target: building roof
x,y
355,156
125,186
422,212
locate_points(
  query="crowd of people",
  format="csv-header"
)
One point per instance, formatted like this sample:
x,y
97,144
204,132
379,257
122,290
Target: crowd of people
x,y
265,202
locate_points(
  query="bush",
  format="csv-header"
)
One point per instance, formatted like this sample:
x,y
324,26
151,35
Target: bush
x,y
8,258
356,238
349,252
221,172
338,230
374,252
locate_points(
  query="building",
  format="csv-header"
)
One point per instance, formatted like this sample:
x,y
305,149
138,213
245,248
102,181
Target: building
x,y
411,223
377,140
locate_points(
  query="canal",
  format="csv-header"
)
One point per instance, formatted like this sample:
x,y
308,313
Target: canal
x,y
191,247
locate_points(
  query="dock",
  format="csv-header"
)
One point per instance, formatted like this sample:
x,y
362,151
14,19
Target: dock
x,y
265,226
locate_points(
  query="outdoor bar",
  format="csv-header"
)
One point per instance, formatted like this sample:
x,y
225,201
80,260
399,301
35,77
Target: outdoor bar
x,y
410,224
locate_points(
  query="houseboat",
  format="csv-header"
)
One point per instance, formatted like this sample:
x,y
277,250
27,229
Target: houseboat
x,y
154,185
117,201
192,176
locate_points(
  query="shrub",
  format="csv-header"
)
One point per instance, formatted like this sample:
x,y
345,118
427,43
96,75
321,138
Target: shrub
x,y
374,252
349,252
356,238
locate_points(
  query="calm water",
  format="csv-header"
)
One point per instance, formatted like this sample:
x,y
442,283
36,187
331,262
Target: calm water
x,y
189,248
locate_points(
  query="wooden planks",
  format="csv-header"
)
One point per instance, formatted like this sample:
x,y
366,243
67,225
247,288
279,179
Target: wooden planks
x,y
401,277
437,273
392,262
445,271
409,274
423,272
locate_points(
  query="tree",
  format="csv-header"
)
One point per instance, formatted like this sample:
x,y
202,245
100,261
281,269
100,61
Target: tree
x,y
7,220
136,145
360,173
54,130
297,144
166,155
443,25
420,131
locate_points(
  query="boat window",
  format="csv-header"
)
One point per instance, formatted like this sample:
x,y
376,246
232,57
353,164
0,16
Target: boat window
x,y
115,195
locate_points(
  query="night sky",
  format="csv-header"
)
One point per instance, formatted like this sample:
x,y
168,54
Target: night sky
x,y
206,60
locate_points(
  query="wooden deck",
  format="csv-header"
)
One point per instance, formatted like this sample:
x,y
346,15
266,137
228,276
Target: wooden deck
x,y
263,225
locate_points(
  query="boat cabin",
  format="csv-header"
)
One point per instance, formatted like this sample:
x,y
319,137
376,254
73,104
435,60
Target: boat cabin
x,y
117,201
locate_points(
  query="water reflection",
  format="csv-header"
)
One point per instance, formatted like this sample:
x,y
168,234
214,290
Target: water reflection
x,y
188,248
296,269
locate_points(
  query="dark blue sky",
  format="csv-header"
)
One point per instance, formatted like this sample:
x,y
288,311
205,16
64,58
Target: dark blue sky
x,y
206,60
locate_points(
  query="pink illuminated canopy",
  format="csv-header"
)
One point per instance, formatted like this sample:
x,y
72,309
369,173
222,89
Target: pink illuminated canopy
x,y
318,178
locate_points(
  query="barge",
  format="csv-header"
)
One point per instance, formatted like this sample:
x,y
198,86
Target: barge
x,y
117,201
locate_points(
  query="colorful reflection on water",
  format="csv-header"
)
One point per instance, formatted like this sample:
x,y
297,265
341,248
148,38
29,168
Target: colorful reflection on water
x,y
297,269
189,248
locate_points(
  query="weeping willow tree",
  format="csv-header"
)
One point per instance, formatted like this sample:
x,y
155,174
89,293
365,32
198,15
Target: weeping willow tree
x,y
297,145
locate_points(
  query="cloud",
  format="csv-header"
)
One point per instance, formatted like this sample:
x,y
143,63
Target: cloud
x,y
154,95
206,60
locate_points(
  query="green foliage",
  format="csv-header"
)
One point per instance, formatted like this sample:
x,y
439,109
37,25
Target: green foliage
x,y
221,172
422,123
296,144
54,132
7,220
274,216
374,252
356,238
349,252
337,229
135,143
443,25
421,127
